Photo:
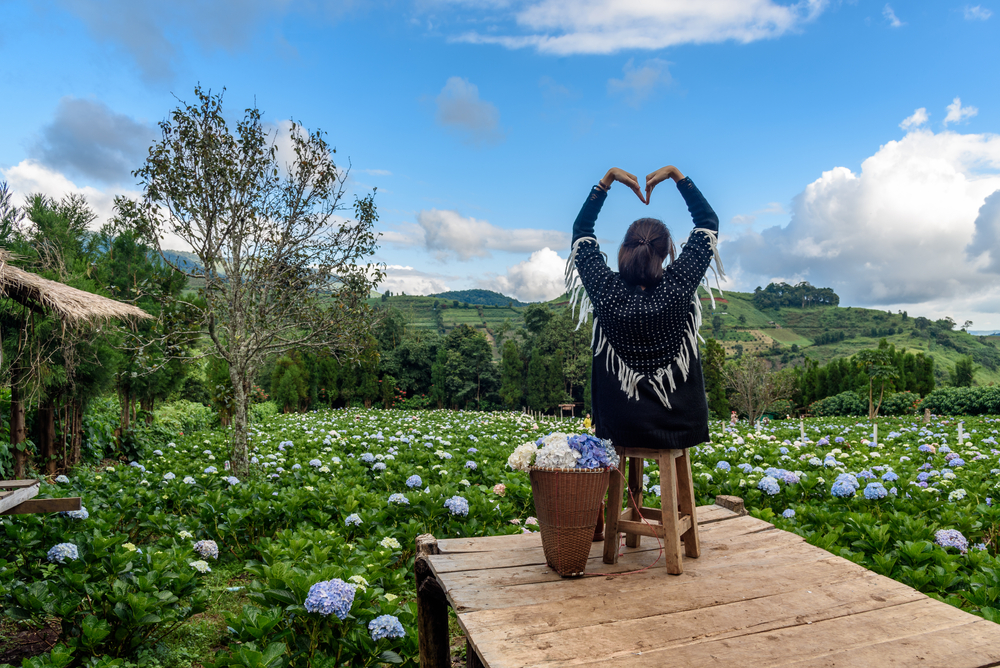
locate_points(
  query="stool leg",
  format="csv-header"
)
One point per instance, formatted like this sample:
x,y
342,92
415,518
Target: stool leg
x,y
614,509
635,468
685,491
668,508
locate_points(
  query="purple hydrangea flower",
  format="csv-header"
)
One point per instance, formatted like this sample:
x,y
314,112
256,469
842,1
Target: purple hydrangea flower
x,y
63,551
457,505
330,597
951,538
207,548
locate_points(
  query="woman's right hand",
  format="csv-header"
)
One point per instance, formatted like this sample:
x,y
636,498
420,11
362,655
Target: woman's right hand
x,y
660,175
620,175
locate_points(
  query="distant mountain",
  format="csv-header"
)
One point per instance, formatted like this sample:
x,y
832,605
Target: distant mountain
x,y
984,332
183,260
484,297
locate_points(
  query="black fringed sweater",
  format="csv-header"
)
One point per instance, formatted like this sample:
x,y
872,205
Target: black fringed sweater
x,y
647,386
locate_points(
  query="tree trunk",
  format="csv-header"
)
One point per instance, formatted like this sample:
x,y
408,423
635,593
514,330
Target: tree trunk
x,y
241,405
47,436
76,432
17,434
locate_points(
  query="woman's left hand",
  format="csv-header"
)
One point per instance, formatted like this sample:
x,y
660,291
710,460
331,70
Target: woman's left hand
x,y
620,175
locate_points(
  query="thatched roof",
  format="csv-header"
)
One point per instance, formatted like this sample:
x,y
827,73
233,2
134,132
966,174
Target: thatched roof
x,y
69,304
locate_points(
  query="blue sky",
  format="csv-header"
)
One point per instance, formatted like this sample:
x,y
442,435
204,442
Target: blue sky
x,y
851,144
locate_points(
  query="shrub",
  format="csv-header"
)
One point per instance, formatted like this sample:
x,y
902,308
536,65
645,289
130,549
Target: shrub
x,y
963,401
185,416
845,403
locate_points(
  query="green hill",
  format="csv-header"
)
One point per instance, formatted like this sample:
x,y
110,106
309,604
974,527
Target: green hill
x,y
786,334
482,297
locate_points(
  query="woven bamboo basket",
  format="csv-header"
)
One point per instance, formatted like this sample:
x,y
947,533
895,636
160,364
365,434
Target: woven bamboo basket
x,y
567,502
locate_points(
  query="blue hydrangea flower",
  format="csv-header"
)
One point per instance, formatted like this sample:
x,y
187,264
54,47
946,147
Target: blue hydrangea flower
x,y
63,551
655,490
353,519
868,475
457,505
842,489
890,476
399,498
378,466
723,465
875,490
925,448
62,479
296,467
330,597
957,461
788,514
470,451
315,463
232,480
745,467
367,458
472,466
849,479
414,481
815,461
207,548
81,514
385,626
768,485
137,465
951,538
211,469
839,439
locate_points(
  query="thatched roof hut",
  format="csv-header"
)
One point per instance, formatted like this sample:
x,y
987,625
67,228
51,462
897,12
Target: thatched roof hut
x,y
71,305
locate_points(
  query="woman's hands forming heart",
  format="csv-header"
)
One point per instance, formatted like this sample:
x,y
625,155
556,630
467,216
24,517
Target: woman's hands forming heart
x,y
620,175
662,174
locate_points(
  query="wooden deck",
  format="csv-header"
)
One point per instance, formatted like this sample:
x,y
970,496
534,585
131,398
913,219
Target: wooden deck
x,y
757,596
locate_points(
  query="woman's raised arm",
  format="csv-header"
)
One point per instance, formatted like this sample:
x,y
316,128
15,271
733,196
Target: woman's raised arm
x,y
620,175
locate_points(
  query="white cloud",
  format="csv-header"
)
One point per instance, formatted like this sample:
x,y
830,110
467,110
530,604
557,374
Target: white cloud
x,y
976,13
29,177
957,113
890,16
460,109
375,172
539,278
918,118
448,233
638,83
565,27
899,232
402,278
772,208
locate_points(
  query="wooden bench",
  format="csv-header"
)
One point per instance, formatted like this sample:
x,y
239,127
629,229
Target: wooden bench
x,y
17,497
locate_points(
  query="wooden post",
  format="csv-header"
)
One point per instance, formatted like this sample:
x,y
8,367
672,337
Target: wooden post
x,y
961,432
875,434
471,658
47,436
432,609
927,415
635,469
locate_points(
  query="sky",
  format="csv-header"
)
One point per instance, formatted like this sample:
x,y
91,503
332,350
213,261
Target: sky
x,y
854,145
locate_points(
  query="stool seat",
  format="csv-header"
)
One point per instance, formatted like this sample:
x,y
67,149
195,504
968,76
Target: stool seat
x,y
673,523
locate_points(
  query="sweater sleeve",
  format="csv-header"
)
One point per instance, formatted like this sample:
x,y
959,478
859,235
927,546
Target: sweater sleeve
x,y
584,224
689,268
590,262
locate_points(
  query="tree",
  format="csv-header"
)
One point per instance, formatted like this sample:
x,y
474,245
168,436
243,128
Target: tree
x,y
536,381
877,364
511,375
713,361
755,386
964,373
280,267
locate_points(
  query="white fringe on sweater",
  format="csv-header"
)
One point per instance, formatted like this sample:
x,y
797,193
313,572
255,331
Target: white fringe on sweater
x,y
613,363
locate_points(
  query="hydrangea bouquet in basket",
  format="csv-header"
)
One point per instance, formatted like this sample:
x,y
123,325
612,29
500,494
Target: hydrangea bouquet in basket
x,y
569,477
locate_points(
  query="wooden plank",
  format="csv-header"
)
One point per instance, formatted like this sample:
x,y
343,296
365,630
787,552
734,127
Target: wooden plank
x,y
726,624
17,484
490,543
32,506
604,602
523,587
17,496
801,641
968,646
527,548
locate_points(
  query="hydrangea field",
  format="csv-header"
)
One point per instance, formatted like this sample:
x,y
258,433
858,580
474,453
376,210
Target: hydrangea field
x,y
309,559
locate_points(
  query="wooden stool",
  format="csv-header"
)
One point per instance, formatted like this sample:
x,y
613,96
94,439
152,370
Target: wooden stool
x,y
674,522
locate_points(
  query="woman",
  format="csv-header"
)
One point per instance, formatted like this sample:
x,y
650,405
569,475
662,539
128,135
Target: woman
x,y
646,382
